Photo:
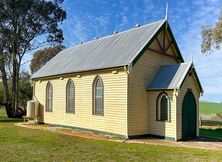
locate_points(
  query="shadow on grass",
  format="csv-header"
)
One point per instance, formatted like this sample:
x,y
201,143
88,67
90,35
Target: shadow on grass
x,y
9,121
211,134
5,119
207,139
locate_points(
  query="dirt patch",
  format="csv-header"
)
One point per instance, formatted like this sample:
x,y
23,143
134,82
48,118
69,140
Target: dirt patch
x,y
213,116
69,131
211,127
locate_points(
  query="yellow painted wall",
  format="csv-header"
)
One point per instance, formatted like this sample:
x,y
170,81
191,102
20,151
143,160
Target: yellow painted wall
x,y
115,102
191,84
161,128
139,103
129,109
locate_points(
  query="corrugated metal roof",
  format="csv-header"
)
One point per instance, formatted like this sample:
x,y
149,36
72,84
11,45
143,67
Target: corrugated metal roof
x,y
112,51
170,76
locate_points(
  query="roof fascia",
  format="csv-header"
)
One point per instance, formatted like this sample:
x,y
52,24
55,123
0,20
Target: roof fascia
x,y
174,42
75,73
196,78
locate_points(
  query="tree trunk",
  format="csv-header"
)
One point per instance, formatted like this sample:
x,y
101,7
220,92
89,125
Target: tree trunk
x,y
6,93
14,84
7,103
17,113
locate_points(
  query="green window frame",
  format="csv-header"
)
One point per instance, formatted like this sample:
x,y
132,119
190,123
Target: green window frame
x,y
163,107
98,96
49,97
70,97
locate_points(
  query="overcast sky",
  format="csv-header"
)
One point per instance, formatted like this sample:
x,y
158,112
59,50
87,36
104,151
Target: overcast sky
x,y
87,19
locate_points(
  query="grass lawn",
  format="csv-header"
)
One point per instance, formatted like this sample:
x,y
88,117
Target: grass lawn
x,y
210,108
211,132
22,144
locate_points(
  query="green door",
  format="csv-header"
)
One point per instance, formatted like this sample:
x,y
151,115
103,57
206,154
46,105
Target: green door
x,y
189,116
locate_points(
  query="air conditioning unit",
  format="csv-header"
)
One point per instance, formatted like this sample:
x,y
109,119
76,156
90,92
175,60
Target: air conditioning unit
x,y
32,110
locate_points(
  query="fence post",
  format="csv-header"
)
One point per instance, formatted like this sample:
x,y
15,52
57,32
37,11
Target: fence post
x,y
200,122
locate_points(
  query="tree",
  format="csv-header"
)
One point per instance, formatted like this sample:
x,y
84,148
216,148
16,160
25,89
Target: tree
x,y
41,57
22,22
212,36
25,92
1,93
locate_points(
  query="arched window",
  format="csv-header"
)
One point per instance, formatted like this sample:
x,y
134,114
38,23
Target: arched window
x,y
49,97
163,107
70,97
98,98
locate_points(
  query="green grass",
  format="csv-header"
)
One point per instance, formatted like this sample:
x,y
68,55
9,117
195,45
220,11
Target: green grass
x,y
210,108
215,133
4,118
22,144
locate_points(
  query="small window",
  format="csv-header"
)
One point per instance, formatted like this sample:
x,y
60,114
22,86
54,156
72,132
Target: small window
x,y
49,97
98,98
163,107
70,97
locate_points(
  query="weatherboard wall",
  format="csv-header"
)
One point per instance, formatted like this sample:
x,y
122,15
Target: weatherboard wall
x,y
189,83
114,119
162,128
142,104
129,109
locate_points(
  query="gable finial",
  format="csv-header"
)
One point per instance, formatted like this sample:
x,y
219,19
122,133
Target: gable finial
x,y
166,16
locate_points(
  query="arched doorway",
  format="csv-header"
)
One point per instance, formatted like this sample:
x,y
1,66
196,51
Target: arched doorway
x,y
189,116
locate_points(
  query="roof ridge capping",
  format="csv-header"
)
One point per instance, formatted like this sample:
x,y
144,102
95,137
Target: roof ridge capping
x,y
135,28
149,40
120,32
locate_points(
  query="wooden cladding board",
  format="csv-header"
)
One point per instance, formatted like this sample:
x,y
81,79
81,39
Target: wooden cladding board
x,y
140,103
129,109
189,83
115,102
162,128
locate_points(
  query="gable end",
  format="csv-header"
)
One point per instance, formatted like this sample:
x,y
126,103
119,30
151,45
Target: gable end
x,y
153,38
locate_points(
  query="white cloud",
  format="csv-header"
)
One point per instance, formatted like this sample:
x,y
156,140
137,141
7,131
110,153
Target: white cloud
x,y
185,17
209,67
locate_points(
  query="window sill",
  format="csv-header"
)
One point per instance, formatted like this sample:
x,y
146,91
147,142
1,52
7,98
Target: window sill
x,y
164,121
70,113
98,114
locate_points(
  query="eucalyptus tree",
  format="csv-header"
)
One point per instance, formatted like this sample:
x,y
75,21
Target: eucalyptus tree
x,y
25,25
41,57
212,36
